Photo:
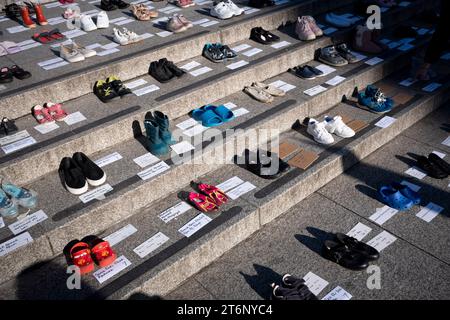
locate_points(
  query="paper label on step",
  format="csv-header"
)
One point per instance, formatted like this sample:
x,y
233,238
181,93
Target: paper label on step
x,y
383,214
110,271
123,22
241,47
338,294
287,87
151,244
278,83
385,122
175,211
113,21
240,112
28,222
315,90
97,193
2,223
315,283
405,47
252,52
194,225
240,190
15,243
230,105
200,71
281,44
182,147
110,158
135,84
108,52
209,23
359,56
48,62
382,241
439,154
335,81
446,142
374,61
110,45
406,40
46,127
431,87
194,130
429,212
329,30
359,231
252,11
201,21
74,118
446,56
145,90
187,124
237,65
55,65
17,29
55,21
10,148
407,82
325,69
153,170
146,35
121,234
14,137
230,184
146,160
410,185
416,173
159,20
74,34
164,34
191,65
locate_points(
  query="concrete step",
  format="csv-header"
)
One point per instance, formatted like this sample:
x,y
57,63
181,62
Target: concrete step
x,y
180,257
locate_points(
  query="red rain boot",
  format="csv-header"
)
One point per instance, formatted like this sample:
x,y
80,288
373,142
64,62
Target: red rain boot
x,y
26,17
39,14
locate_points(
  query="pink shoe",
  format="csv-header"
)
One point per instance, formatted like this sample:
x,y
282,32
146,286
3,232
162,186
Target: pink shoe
x,y
363,41
303,30
313,25
41,114
183,3
185,21
55,111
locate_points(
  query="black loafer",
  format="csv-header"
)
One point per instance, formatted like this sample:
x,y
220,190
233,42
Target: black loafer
x,y
160,72
257,35
265,164
318,72
303,72
344,256
370,252
441,163
431,168
6,75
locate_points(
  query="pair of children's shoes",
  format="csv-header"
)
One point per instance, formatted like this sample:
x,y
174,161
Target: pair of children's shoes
x,y
86,253
12,196
209,198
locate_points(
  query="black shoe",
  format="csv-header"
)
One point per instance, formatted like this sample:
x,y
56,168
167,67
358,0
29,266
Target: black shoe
x,y
6,75
213,53
226,50
342,255
173,68
441,163
120,4
303,72
298,284
107,5
264,164
318,72
345,53
94,175
19,73
262,36
118,86
160,72
12,11
431,168
7,126
353,244
261,3
105,91
74,179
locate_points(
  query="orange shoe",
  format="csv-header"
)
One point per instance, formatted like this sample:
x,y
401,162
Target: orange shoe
x,y
80,255
26,17
39,14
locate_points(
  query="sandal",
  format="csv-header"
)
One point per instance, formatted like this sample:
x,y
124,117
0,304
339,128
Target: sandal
x,y
80,254
55,34
43,37
19,73
55,111
202,203
394,198
41,114
104,255
6,75
207,116
217,195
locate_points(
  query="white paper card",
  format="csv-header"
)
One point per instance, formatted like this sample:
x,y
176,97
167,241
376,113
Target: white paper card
x,y
110,45
10,148
381,241
230,105
55,65
315,90
325,69
410,185
429,212
241,47
16,29
407,82
446,142
374,61
187,124
238,64
359,231
151,244
97,193
153,170
145,90
164,34
252,52
110,158
51,61
416,173
2,223
74,118
240,190
146,35
230,184
201,21
278,83
200,71
194,225
287,87
135,84
358,55
439,154
182,147
280,44
110,271
121,234
15,243
175,211
194,130
240,112
315,283
385,122
191,65
108,52
146,160
117,19
335,81
28,222
431,87
46,127
14,137
338,294
383,214
209,23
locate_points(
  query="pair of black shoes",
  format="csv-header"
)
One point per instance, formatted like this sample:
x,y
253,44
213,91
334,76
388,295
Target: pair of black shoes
x,y
306,72
264,164
164,70
261,3
349,252
292,288
110,89
8,74
109,5
7,126
434,166
262,36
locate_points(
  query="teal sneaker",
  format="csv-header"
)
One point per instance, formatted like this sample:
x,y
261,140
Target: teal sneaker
x,y
24,197
8,207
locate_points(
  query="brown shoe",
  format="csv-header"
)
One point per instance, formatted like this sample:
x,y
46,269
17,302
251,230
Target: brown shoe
x,y
363,41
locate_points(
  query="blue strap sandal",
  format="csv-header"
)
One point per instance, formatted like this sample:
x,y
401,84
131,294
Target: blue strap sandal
x,y
224,113
407,192
207,116
394,198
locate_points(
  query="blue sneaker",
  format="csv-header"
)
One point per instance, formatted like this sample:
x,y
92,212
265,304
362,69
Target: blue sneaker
x,y
394,198
8,207
24,197
373,99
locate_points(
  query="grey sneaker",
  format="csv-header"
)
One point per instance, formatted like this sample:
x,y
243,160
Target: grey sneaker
x,y
330,56
345,53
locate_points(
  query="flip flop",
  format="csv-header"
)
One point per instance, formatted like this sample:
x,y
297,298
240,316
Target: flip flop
x,y
80,254
214,193
207,116
103,254
202,203
394,198
55,34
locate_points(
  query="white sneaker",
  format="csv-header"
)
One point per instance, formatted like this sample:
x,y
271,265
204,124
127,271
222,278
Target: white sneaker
x,y
338,127
87,24
102,20
318,131
120,38
234,8
221,11
70,54
87,53
132,36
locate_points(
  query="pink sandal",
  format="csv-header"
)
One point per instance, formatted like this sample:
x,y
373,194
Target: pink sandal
x,y
202,203
55,110
41,114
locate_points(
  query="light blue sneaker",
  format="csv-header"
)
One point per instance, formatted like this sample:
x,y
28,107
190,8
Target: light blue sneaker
x,y
8,207
24,197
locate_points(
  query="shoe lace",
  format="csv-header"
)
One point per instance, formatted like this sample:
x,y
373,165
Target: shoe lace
x,y
379,97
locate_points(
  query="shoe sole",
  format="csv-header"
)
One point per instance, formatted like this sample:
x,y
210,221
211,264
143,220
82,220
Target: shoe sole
x,y
332,64
96,183
371,110
77,191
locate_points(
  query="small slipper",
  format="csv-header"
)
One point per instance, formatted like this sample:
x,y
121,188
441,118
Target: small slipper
x,y
55,34
202,202
80,254
207,116
41,114
43,37
103,254
6,75
272,90
214,193
407,192
19,73
224,113
394,198
55,110
258,94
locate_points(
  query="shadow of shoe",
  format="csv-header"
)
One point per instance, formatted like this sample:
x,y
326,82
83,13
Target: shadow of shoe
x,y
408,161
311,243
260,282
183,195
368,191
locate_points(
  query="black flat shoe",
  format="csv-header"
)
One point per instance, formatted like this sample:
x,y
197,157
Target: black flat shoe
x,y
256,35
7,126
441,163
6,75
342,255
19,73
173,68
303,72
353,244
264,164
431,168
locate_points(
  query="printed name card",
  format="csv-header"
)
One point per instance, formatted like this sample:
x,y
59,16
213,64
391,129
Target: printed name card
x,y
15,146
201,21
135,83
146,160
237,65
153,170
145,90
121,234
431,87
446,142
315,90
191,65
325,69
281,44
240,112
200,71
240,190
15,243
385,122
383,214
97,193
110,158
230,184
209,23
335,81
252,52
164,34
175,211
359,231
416,173
429,212
182,147
26,223
187,124
74,118
338,294
46,127
412,186
195,130
407,82
2,223
194,225
151,244
382,241
315,283
14,137
241,47
106,273
374,61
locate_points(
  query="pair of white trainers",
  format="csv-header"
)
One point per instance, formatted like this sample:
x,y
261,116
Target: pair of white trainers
x,y
225,10
321,131
125,36
87,24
